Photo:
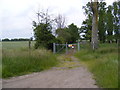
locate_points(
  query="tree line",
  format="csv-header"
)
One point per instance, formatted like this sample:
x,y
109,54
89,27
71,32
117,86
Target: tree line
x,y
101,25
108,22
16,39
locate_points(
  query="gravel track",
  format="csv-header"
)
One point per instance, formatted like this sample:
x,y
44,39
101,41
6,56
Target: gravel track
x,y
76,76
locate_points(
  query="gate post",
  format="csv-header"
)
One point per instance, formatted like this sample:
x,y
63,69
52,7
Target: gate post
x,y
78,46
54,48
29,44
66,48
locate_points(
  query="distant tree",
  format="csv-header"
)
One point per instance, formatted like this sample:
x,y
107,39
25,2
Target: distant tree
x,y
6,39
16,39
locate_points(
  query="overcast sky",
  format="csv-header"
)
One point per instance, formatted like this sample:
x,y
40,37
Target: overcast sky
x,y
16,16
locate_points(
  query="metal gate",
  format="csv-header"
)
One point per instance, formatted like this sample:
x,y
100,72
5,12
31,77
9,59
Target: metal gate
x,y
65,47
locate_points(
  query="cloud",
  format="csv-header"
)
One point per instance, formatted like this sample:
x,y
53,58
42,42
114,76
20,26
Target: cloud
x,y
16,16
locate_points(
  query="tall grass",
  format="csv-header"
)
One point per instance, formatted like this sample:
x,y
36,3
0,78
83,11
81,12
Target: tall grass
x,y
19,61
103,63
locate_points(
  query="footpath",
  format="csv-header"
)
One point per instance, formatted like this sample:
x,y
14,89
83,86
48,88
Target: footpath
x,y
68,74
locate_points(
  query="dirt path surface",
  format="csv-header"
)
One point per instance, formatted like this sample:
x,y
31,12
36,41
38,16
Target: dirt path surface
x,y
68,74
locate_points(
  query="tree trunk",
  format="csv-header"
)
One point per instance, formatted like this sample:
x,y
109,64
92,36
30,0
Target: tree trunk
x,y
94,41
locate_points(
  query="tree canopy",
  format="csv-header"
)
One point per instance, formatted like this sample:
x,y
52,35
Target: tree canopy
x,y
108,22
68,34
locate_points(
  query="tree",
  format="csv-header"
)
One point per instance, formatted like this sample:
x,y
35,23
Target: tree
x,y
116,22
74,32
43,36
109,24
108,21
63,35
68,34
6,39
119,19
88,10
60,24
44,17
86,28
60,21
94,39
43,31
101,22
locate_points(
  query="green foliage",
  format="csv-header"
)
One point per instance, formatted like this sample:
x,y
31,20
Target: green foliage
x,y
88,9
116,18
43,31
101,22
107,24
74,33
86,28
63,35
103,63
6,39
70,34
43,36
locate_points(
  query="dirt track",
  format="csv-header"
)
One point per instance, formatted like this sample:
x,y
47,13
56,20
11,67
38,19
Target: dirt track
x,y
75,76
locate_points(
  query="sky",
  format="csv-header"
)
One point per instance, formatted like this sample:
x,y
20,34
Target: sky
x,y
16,16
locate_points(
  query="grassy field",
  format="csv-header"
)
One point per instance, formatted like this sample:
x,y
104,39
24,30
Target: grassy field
x,y
103,63
17,59
17,45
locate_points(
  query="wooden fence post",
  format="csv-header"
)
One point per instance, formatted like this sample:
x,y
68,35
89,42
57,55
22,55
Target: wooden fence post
x,y
78,46
66,48
29,44
54,48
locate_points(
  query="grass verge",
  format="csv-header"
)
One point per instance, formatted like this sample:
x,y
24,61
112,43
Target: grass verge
x,y
103,63
20,62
